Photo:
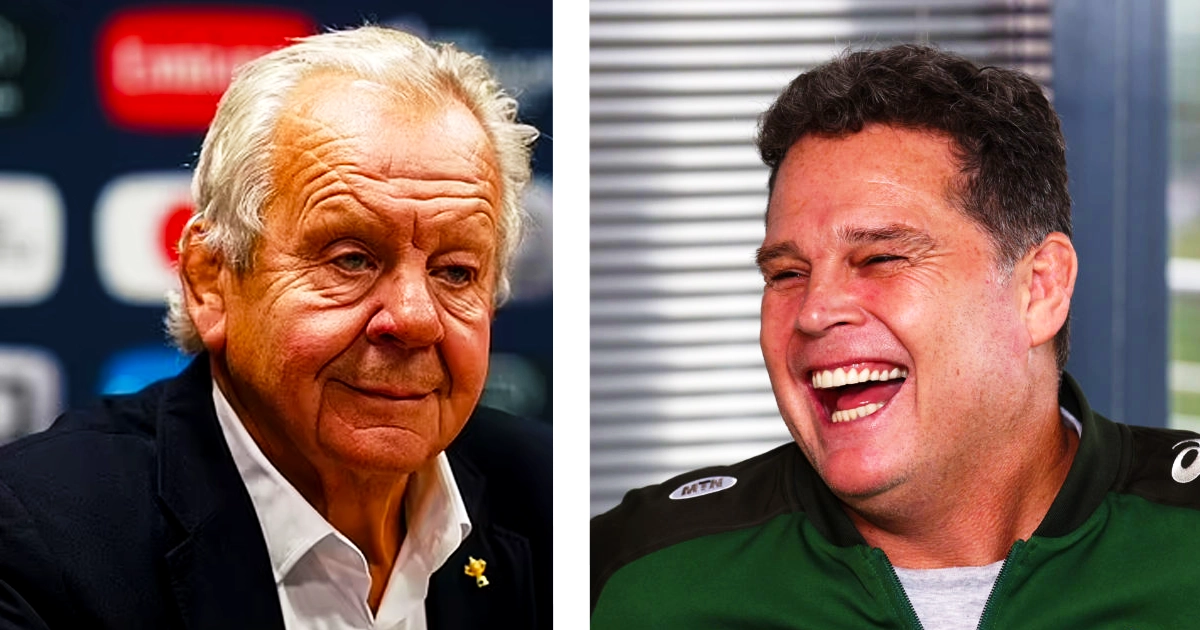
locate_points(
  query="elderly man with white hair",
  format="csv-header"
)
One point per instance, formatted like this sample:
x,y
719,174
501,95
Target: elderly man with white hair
x,y
356,213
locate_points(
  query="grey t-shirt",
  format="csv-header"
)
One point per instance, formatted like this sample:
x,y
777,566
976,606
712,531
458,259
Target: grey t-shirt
x,y
949,599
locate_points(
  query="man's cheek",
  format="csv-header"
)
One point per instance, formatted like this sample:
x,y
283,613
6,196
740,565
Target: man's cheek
x,y
318,330
465,352
466,356
468,307
775,336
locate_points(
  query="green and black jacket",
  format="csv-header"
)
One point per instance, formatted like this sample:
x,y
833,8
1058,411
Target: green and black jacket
x,y
1119,548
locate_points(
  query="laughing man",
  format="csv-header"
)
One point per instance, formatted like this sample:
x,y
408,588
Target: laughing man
x,y
918,272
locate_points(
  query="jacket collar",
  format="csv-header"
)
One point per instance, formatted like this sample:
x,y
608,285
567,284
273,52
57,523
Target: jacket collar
x,y
219,569
455,599
471,483
1097,463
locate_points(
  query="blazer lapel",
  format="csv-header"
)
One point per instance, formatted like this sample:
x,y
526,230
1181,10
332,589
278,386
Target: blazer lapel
x,y
219,567
459,600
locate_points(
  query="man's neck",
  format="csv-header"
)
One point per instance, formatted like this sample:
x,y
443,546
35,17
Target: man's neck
x,y
374,520
974,520
367,509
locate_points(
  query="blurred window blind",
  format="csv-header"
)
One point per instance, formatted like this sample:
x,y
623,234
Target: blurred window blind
x,y
677,201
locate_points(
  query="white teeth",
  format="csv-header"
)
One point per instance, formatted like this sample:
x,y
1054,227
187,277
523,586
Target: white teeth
x,y
845,415
824,379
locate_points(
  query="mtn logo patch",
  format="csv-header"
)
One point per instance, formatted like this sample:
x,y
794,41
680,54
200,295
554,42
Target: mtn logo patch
x,y
701,487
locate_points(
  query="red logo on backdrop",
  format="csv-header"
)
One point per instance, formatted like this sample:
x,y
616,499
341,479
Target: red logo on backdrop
x,y
172,229
165,68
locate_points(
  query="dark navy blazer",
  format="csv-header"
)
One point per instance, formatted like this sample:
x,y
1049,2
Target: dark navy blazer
x,y
133,515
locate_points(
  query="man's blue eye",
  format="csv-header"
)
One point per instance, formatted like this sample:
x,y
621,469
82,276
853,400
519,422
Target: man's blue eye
x,y
353,262
458,274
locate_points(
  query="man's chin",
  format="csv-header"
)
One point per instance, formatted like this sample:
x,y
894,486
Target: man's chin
x,y
380,449
853,482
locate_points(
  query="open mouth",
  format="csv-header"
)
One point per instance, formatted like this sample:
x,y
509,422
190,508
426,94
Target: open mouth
x,y
858,390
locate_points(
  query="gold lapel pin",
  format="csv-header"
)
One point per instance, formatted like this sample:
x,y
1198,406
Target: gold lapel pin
x,y
474,568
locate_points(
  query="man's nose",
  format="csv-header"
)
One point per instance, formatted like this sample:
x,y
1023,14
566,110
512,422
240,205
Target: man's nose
x,y
408,313
829,302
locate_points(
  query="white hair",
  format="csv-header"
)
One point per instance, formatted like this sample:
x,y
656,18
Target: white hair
x,y
233,181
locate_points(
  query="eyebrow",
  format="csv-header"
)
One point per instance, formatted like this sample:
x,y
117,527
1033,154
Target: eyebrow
x,y
765,255
907,236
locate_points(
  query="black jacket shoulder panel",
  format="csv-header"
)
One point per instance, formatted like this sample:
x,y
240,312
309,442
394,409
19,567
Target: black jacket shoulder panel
x,y
694,504
1164,466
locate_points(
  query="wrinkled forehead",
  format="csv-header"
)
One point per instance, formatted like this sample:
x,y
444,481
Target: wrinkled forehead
x,y
335,122
881,165
349,107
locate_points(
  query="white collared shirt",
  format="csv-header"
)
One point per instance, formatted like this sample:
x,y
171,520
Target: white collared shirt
x,y
323,580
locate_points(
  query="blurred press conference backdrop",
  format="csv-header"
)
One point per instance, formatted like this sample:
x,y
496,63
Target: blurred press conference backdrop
x,y
678,195
103,105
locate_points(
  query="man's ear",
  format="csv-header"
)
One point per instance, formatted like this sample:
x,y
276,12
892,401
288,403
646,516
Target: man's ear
x,y
204,276
1049,275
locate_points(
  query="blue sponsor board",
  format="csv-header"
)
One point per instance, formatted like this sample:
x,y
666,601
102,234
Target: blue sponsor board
x,y
130,370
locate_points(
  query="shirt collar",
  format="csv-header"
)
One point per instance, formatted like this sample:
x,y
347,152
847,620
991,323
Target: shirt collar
x,y
437,520
1069,419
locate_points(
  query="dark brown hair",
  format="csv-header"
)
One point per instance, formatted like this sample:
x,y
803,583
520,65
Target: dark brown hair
x,y
1006,136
